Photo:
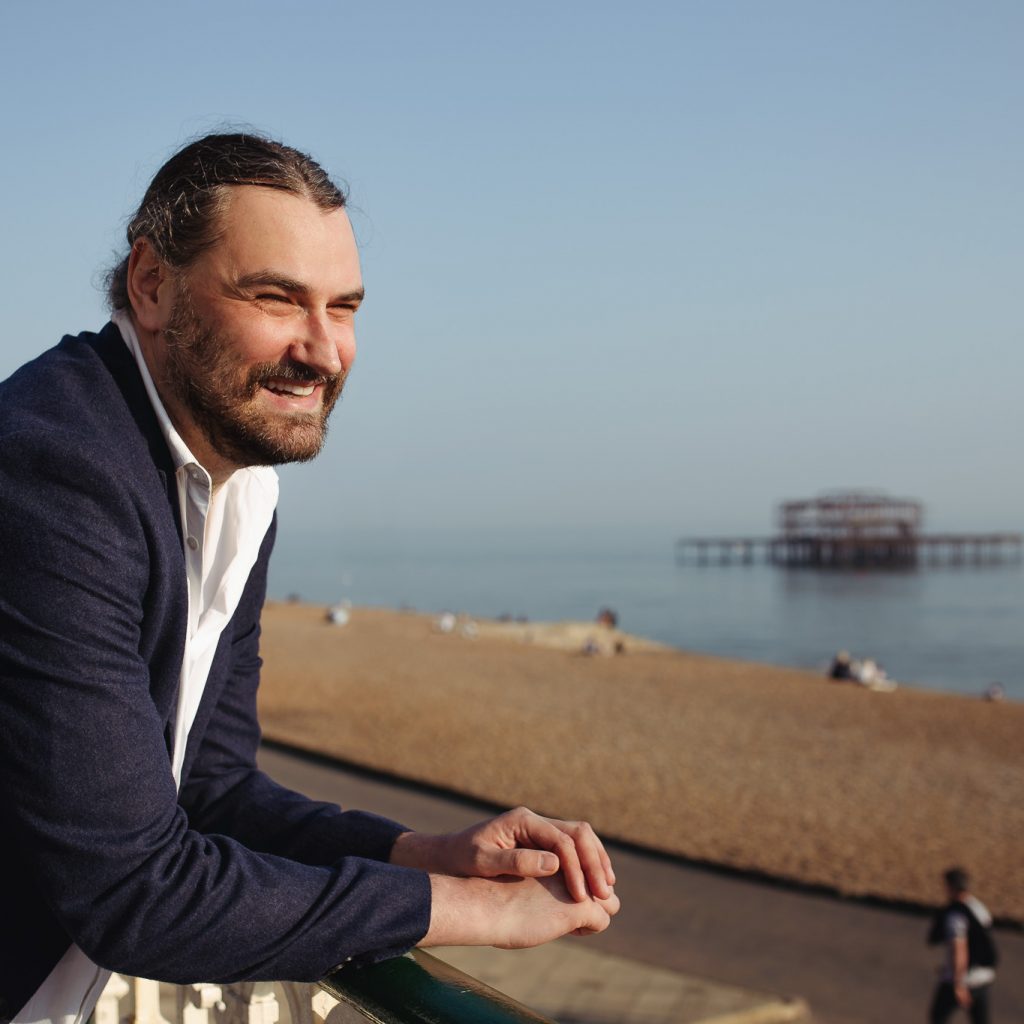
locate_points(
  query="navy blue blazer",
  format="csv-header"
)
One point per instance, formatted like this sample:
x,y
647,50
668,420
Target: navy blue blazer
x,y
236,877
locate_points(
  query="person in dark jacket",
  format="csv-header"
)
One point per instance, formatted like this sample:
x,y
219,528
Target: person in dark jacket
x,y
137,517
964,927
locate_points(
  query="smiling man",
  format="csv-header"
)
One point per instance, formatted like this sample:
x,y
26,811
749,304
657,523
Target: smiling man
x,y
137,516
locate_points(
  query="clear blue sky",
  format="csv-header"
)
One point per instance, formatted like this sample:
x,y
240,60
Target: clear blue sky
x,y
653,265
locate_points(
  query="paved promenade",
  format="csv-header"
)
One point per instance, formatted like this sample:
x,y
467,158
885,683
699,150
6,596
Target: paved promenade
x,y
572,984
705,936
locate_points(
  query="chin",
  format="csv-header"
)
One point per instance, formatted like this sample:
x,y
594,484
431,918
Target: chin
x,y
303,447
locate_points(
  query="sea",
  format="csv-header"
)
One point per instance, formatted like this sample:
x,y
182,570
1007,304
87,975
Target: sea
x,y
954,628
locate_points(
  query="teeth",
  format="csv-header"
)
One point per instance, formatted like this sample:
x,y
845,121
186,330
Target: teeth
x,y
302,390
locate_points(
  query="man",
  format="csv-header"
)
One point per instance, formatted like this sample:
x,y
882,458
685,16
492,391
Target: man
x,y
136,521
964,926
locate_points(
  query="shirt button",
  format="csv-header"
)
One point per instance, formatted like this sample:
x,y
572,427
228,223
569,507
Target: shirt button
x,y
192,543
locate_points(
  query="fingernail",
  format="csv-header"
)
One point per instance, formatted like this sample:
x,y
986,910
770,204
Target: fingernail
x,y
548,862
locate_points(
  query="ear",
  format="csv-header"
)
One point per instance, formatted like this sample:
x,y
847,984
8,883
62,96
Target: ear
x,y
151,287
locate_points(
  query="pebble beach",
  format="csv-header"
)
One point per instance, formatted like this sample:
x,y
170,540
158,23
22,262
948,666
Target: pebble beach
x,y
751,767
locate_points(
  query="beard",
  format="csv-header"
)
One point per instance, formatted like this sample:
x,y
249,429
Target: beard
x,y
221,393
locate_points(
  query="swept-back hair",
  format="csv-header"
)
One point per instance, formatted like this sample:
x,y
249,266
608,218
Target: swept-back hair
x,y
180,213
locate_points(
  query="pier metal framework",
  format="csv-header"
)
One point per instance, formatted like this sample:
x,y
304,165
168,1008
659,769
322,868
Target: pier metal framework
x,y
853,529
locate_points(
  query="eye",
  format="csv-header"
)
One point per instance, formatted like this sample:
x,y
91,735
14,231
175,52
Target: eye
x,y
275,303
343,311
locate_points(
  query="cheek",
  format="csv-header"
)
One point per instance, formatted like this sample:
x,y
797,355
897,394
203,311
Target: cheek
x,y
259,341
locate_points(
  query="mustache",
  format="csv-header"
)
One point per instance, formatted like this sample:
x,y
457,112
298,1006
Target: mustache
x,y
262,373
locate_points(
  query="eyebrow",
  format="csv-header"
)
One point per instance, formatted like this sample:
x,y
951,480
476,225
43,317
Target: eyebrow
x,y
271,279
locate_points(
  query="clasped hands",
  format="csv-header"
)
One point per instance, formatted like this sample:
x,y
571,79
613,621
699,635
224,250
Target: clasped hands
x,y
515,880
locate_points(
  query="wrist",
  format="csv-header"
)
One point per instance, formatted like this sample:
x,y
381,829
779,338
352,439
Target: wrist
x,y
418,850
461,912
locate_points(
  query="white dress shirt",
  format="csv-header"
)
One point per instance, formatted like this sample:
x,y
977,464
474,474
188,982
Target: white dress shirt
x,y
223,530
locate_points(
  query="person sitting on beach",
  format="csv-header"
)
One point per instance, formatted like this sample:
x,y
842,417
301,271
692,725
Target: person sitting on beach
x,y
872,676
840,667
608,620
137,517
866,672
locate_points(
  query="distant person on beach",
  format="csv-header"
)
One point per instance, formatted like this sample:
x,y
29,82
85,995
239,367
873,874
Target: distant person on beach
x,y
964,928
840,667
866,672
137,517
608,620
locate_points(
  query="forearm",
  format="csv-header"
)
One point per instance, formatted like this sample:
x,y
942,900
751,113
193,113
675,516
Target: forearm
x,y
959,961
270,818
423,851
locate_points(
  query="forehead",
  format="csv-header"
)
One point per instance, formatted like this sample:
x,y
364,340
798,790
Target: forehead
x,y
267,229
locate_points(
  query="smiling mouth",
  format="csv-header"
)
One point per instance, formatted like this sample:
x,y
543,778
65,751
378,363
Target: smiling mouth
x,y
284,387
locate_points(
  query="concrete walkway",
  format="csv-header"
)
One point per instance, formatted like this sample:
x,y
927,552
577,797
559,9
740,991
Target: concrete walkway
x,y
574,985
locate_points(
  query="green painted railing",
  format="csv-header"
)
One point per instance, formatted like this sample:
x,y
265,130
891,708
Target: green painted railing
x,y
420,989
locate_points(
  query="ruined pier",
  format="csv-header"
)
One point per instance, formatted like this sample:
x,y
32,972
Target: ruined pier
x,y
853,529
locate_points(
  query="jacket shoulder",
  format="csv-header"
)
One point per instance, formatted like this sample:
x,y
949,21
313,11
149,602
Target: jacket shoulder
x,y
84,395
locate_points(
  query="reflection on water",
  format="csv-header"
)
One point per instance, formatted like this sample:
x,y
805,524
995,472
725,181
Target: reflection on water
x,y
954,628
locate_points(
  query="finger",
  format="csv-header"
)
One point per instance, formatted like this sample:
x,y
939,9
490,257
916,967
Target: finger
x,y
572,870
531,830
611,905
597,865
594,860
587,866
606,863
520,862
599,916
596,920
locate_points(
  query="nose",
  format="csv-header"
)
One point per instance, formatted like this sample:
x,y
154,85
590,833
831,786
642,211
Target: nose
x,y
319,346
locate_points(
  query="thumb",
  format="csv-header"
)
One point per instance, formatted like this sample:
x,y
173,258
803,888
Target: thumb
x,y
519,862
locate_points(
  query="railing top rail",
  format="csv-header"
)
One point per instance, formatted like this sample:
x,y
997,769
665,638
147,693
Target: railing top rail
x,y
420,989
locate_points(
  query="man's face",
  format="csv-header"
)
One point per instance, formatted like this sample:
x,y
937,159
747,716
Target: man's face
x,y
261,335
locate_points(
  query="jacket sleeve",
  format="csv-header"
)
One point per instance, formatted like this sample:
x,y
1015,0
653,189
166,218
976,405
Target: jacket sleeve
x,y
86,791
226,793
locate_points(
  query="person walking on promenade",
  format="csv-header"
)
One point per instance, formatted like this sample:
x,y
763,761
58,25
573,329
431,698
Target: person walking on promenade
x,y
137,517
964,928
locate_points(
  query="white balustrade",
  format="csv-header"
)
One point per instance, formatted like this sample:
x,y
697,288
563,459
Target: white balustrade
x,y
139,1001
